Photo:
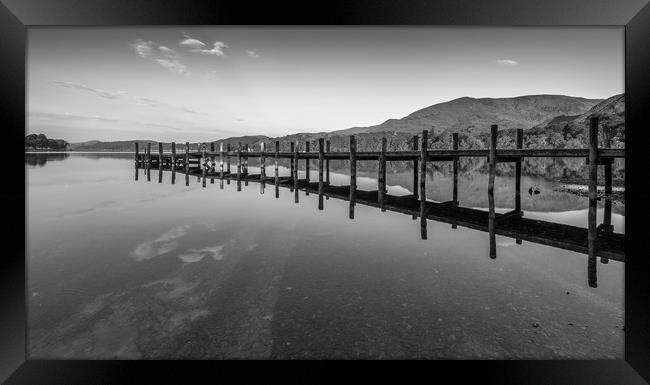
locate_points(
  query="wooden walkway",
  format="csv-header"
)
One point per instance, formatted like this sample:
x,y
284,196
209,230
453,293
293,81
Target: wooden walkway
x,y
595,241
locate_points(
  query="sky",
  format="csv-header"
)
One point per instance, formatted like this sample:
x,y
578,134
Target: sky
x,y
208,83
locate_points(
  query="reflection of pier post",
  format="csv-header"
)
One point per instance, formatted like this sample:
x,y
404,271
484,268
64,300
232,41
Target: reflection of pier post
x,y
247,148
592,232
454,143
277,170
321,159
493,167
262,168
307,149
293,161
173,162
295,171
353,174
423,184
187,163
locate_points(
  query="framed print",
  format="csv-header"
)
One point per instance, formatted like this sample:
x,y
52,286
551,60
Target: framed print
x,y
212,185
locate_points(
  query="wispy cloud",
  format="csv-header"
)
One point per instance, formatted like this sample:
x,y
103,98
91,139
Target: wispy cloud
x,y
74,117
96,91
507,62
157,103
164,56
252,54
197,46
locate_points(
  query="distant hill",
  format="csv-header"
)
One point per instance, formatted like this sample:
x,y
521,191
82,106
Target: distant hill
x,y
549,120
40,142
474,115
570,131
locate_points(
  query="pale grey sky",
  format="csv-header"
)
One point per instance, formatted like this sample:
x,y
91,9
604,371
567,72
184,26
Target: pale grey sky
x,y
206,83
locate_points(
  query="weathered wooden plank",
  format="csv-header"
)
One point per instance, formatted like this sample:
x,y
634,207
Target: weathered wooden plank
x,y
353,174
423,184
592,235
492,173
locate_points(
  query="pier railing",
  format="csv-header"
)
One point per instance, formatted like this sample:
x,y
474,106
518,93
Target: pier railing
x,y
595,240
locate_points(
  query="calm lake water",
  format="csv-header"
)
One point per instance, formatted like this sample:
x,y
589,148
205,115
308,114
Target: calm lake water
x,y
119,268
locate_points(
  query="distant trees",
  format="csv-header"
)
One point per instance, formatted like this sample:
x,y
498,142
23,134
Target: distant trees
x,y
41,142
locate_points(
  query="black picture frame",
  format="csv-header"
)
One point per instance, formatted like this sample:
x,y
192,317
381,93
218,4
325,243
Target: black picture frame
x,y
17,15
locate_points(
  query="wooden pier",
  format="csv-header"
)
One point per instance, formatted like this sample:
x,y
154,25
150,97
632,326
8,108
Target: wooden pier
x,y
595,241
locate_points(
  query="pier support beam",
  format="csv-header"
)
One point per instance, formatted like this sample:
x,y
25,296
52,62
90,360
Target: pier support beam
x,y
137,152
228,163
454,143
295,171
327,163
204,165
493,167
239,166
221,155
321,159
247,150
262,168
592,232
187,163
381,177
293,162
277,169
173,162
423,184
307,149
519,140
353,174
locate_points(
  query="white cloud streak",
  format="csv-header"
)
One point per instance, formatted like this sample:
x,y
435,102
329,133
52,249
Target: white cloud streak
x,y
197,46
252,54
164,56
99,92
507,62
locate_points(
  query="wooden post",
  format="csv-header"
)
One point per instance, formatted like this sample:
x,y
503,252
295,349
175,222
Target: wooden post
x,y
607,215
423,184
262,168
415,169
454,140
353,174
520,144
292,144
148,166
321,159
295,171
213,162
228,163
221,155
381,178
204,164
160,153
187,163
246,164
307,149
173,159
592,235
239,166
327,163
493,167
148,153
277,168
137,153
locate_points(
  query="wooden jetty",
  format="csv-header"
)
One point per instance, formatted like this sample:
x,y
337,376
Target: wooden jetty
x,y
595,241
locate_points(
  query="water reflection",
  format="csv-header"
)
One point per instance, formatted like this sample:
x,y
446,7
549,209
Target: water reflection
x,y
168,271
41,159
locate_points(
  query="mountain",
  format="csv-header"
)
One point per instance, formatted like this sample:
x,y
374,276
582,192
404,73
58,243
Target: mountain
x,y
472,115
570,130
42,143
81,144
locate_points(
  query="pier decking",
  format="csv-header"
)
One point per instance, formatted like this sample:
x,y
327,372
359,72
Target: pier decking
x,y
595,241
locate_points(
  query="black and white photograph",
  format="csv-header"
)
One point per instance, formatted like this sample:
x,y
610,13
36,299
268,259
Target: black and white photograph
x,y
350,192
